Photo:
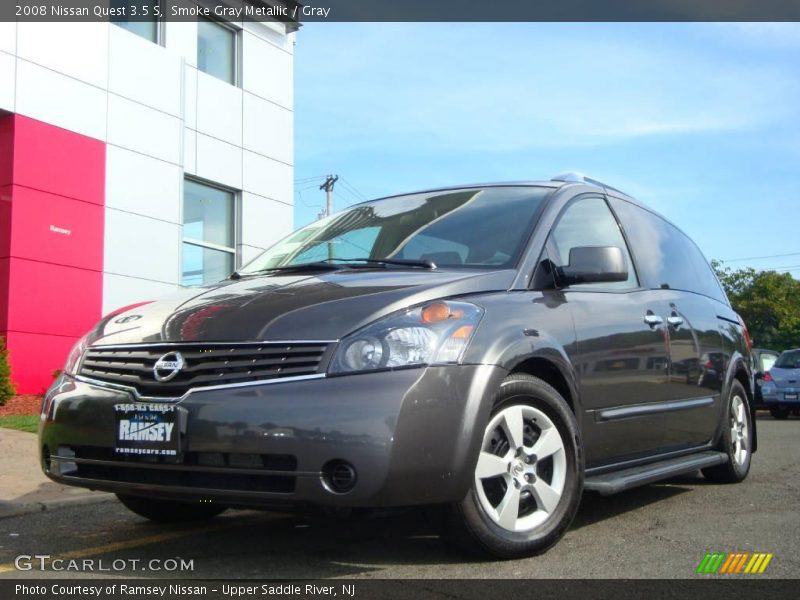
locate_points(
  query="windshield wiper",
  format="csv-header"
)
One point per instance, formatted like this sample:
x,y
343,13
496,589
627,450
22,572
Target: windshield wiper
x,y
337,264
320,265
403,262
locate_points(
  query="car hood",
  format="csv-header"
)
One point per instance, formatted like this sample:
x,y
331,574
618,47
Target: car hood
x,y
297,307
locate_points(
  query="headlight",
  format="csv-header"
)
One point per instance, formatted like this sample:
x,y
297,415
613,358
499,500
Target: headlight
x,y
435,333
75,357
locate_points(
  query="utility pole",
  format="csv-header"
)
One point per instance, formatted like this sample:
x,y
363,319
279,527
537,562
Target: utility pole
x,y
330,181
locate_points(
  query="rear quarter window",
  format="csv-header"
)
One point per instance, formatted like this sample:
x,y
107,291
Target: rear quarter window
x,y
664,254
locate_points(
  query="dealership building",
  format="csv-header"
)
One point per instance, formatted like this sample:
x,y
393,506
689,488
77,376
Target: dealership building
x,y
135,158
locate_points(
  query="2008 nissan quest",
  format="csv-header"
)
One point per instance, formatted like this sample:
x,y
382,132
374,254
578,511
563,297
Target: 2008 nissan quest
x,y
492,349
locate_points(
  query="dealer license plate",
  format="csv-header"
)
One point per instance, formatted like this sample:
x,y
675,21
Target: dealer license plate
x,y
152,429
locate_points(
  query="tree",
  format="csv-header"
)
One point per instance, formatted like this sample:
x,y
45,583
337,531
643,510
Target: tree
x,y
6,387
768,301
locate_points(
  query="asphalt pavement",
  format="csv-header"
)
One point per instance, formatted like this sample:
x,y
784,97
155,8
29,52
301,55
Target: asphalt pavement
x,y
659,531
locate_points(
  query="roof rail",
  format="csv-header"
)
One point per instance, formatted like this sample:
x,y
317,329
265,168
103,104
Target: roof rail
x,y
577,177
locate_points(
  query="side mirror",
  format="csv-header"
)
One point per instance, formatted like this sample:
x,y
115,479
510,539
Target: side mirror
x,y
593,264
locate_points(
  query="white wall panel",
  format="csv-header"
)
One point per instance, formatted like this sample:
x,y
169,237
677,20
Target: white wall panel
x,y
79,50
60,100
137,127
219,162
143,185
190,97
267,177
272,32
144,71
266,70
190,151
8,80
264,221
268,129
8,37
219,109
142,247
119,291
181,40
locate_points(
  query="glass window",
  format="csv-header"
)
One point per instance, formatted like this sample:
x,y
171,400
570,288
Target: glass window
x,y
589,222
767,360
216,50
477,227
137,13
666,256
788,360
209,240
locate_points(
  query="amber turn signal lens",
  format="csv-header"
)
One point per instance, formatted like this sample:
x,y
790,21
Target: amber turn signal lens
x,y
462,333
438,312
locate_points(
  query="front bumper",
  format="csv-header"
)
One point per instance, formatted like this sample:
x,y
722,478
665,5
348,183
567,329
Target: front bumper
x,y
409,434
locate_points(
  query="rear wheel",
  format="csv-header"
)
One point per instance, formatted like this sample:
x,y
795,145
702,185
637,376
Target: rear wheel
x,y
779,413
169,511
736,439
529,475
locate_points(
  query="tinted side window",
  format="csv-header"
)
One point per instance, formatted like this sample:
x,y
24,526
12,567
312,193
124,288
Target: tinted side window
x,y
589,222
665,255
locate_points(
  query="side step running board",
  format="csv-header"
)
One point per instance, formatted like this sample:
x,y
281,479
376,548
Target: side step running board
x,y
618,481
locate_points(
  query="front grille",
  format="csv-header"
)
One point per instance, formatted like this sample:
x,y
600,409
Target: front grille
x,y
203,365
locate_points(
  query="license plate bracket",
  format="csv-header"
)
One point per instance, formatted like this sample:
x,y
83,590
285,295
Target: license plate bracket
x,y
147,430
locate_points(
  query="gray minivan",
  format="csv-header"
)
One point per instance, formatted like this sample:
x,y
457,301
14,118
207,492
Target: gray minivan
x,y
490,349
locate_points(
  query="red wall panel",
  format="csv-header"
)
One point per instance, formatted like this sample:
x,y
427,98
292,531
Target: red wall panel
x,y
55,160
35,357
56,229
4,263
53,299
5,224
6,149
54,237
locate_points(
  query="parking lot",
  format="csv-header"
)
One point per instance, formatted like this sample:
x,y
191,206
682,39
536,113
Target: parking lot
x,y
653,532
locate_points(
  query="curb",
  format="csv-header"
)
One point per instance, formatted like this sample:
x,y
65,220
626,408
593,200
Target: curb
x,y
13,509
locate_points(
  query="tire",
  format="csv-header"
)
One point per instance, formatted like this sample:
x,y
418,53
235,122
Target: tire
x,y
169,511
779,413
736,440
540,494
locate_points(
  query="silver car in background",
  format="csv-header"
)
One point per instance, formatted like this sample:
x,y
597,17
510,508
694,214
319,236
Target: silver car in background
x,y
780,385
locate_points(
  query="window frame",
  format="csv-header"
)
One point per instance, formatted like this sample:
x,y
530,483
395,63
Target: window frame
x,y
237,50
549,249
236,223
161,27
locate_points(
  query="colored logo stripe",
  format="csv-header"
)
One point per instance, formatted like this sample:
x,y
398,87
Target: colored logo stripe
x,y
734,563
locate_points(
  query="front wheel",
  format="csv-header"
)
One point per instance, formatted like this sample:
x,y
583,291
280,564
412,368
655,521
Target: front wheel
x,y
528,478
736,439
169,511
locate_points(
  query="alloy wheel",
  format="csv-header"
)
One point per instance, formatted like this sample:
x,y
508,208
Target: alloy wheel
x,y
740,433
522,468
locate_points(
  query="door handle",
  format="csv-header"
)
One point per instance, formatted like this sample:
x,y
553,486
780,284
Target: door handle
x,y
652,319
675,320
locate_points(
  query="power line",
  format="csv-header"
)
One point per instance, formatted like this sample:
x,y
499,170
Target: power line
x,y
305,179
354,189
727,260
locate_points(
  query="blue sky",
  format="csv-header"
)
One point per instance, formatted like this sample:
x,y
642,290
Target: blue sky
x,y
700,121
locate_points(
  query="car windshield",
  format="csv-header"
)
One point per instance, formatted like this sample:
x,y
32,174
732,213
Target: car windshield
x,y
789,360
476,227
